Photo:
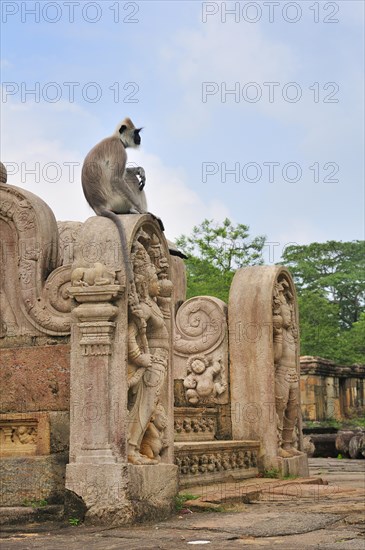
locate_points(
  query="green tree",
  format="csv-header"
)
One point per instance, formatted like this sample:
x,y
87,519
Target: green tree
x,y
354,341
330,280
335,269
214,252
319,330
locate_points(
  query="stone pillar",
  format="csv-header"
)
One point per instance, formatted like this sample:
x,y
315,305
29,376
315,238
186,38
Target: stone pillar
x,y
93,433
121,426
264,368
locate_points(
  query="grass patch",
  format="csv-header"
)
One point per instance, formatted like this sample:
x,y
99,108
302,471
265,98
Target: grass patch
x,y
350,422
273,473
35,503
181,498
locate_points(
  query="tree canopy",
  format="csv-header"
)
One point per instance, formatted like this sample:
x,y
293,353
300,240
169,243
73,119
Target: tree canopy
x,y
330,280
329,277
214,252
335,270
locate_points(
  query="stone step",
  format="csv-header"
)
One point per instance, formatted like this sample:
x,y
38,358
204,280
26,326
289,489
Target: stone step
x,y
10,515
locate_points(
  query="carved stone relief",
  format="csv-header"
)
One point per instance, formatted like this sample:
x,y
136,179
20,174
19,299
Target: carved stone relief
x,y
200,326
23,434
198,462
285,338
205,381
195,424
201,353
154,440
30,246
148,348
91,286
69,233
264,365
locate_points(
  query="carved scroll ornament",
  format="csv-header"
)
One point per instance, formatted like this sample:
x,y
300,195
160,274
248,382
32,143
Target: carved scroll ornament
x,y
200,326
41,284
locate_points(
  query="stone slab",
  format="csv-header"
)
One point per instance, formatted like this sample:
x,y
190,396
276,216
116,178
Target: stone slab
x,y
12,515
253,490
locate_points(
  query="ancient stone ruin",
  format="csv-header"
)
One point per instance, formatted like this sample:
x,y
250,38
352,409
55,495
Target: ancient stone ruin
x,y
331,391
117,393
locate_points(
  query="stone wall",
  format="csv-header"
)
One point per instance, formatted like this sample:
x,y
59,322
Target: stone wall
x,y
330,391
35,267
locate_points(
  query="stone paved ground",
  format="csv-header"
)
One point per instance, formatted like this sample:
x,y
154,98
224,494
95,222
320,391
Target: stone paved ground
x,y
284,515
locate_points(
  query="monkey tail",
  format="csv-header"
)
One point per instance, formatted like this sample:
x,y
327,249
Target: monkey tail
x,y
123,241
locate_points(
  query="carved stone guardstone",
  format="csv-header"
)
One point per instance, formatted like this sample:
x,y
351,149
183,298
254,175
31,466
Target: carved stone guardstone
x,y
33,301
201,371
264,353
121,432
205,450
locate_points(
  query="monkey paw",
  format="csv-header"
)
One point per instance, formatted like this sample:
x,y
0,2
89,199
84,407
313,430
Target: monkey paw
x,y
142,177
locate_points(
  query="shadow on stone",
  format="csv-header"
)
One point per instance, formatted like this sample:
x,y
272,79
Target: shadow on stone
x,y
75,507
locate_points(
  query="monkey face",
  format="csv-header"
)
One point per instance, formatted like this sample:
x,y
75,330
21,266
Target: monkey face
x,y
137,137
128,133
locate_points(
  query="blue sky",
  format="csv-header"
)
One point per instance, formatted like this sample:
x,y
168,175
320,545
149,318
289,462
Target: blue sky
x,y
282,153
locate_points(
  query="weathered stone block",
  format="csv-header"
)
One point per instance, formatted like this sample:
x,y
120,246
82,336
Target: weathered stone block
x,y
120,494
295,466
32,479
60,431
35,379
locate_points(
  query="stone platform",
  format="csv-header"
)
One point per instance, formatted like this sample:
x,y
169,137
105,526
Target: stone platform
x,y
289,514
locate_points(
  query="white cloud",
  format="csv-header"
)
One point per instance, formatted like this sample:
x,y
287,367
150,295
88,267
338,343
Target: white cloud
x,y
38,158
170,198
223,53
5,64
40,163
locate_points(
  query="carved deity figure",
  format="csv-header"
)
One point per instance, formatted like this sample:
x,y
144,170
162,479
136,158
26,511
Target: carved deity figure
x,y
24,435
154,437
285,335
148,352
202,381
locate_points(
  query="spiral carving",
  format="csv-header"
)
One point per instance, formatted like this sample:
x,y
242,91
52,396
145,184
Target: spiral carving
x,y
200,326
56,289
